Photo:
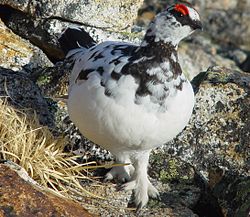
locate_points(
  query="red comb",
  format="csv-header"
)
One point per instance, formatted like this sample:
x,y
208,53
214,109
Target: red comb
x,y
182,9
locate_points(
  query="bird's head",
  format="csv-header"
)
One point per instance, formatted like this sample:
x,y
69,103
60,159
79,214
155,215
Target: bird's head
x,y
174,24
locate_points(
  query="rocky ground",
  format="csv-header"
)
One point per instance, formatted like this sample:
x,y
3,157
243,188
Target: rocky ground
x,y
205,171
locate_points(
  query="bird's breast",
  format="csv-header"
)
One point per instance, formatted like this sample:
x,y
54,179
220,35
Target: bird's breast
x,y
118,122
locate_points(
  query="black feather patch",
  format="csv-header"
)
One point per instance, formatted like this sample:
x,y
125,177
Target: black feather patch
x,y
116,76
83,75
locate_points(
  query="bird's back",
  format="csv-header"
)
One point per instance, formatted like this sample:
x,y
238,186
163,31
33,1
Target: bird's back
x,y
105,59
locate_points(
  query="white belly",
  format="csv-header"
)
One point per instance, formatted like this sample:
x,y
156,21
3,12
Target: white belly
x,y
121,125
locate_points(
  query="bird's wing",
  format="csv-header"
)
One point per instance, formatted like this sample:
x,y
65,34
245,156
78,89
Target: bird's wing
x,y
106,60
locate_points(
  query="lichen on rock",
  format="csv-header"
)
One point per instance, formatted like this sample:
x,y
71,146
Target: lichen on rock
x,y
17,52
219,128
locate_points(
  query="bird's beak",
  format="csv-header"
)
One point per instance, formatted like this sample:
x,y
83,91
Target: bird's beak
x,y
197,25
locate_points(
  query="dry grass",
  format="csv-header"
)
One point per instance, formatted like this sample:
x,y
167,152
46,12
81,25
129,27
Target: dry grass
x,y
25,142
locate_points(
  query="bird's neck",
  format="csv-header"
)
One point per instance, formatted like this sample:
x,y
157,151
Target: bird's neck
x,y
160,53
164,29
160,50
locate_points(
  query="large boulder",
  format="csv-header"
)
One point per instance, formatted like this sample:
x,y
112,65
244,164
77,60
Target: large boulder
x,y
219,130
113,14
16,52
199,55
227,21
20,196
41,22
22,93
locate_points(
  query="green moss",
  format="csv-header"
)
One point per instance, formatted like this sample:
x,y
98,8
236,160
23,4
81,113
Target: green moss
x,y
43,80
220,76
152,203
157,158
171,172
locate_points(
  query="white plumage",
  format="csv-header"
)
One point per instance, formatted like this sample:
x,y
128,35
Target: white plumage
x,y
130,99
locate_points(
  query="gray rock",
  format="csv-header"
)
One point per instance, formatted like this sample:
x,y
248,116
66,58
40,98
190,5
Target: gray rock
x,y
229,26
114,14
24,94
246,64
41,22
175,182
237,55
17,53
199,55
219,131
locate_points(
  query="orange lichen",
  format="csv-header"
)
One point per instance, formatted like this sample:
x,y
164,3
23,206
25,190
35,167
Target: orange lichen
x,y
12,46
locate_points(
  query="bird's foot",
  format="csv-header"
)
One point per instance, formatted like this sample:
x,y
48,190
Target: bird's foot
x,y
120,173
153,192
143,189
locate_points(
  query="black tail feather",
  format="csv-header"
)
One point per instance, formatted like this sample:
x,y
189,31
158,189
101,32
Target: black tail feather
x,y
73,38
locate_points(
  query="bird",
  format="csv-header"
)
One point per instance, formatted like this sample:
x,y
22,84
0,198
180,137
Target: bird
x,y
129,98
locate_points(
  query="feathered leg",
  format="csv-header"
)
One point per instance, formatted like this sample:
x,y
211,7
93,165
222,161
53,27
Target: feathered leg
x,y
140,184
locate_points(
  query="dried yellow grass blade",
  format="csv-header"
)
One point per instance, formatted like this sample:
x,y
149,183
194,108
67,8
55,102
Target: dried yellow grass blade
x,y
33,147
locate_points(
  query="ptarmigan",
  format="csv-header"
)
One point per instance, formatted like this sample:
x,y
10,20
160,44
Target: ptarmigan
x,y
130,99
